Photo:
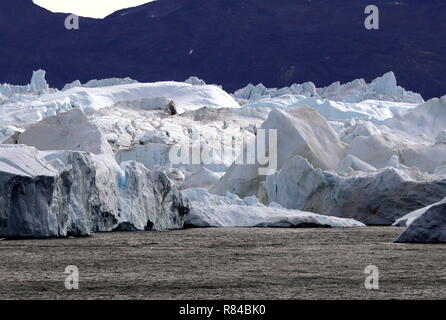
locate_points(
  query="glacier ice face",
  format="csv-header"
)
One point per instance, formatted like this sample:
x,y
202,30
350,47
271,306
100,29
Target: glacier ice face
x,y
426,158
54,192
39,200
63,193
149,200
294,184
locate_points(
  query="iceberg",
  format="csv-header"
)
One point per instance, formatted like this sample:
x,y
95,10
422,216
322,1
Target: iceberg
x,y
73,185
378,101
426,225
374,198
71,193
230,211
96,157
303,132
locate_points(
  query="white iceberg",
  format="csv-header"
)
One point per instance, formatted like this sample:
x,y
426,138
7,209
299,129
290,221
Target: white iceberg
x,y
230,211
303,132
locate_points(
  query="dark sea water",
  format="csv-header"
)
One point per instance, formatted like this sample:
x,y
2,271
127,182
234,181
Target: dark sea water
x,y
224,264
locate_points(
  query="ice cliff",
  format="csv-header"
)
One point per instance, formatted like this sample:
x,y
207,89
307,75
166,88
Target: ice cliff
x,y
73,185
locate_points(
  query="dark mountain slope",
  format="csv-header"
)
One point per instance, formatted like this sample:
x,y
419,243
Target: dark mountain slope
x,y
232,42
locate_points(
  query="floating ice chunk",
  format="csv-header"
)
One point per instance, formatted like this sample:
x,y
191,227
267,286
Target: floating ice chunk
x,y
248,216
230,211
426,225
